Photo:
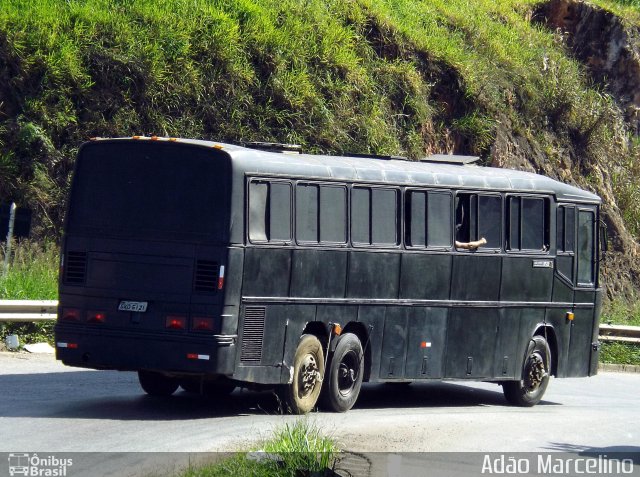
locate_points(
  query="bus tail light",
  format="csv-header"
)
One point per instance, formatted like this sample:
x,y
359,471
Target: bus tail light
x,y
70,314
201,323
67,345
221,278
176,322
96,317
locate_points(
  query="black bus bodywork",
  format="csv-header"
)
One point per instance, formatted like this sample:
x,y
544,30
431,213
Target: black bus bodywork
x,y
210,265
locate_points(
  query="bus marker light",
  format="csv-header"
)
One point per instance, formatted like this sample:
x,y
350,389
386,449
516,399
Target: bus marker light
x,y
176,322
217,146
136,137
202,324
221,278
67,345
96,317
70,314
425,344
570,316
203,357
337,329
154,138
173,139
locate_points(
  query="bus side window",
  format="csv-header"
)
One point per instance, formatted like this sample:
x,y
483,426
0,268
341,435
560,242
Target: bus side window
x,y
361,215
565,240
428,219
384,217
439,219
479,216
279,211
307,212
586,247
333,214
321,213
528,224
465,216
374,216
258,193
269,211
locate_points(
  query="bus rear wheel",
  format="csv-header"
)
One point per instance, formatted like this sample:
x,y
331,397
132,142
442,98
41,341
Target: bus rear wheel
x,y
528,391
308,372
344,375
156,384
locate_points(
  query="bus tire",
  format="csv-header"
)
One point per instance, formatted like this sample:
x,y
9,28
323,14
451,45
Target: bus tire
x,y
301,395
528,391
344,375
156,384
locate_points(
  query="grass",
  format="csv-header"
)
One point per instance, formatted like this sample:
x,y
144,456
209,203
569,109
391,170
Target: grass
x,y
33,272
620,353
621,312
298,449
33,275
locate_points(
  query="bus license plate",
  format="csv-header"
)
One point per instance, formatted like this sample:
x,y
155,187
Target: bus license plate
x,y
137,306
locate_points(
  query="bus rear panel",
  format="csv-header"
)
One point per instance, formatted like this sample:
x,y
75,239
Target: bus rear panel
x,y
142,273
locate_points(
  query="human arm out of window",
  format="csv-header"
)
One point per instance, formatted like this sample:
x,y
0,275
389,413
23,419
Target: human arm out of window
x,y
471,245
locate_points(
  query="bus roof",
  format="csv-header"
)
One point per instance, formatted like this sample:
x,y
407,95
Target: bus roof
x,y
397,171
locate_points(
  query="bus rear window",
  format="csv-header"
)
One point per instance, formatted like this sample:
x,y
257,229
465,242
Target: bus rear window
x,y
150,190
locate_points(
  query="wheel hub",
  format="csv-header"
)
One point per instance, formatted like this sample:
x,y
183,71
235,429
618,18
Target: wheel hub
x,y
347,374
309,375
536,372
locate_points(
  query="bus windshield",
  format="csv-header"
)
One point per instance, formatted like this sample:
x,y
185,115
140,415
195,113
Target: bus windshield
x,y
149,191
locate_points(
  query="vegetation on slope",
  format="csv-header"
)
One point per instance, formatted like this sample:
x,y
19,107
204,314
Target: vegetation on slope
x,y
389,77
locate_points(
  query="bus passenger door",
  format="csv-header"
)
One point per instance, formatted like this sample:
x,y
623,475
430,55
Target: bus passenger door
x,y
582,326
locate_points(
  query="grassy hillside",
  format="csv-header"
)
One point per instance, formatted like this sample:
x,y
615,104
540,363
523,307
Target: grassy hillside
x,y
397,77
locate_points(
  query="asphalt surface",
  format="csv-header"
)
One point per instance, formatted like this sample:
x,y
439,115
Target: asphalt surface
x,y
47,407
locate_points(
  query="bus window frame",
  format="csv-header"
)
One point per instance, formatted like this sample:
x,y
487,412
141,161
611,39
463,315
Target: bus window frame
x,y
563,252
321,243
247,207
546,224
406,213
482,248
594,248
399,223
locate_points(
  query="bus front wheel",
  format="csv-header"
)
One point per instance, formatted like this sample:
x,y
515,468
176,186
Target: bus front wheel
x,y
156,384
528,391
344,376
308,372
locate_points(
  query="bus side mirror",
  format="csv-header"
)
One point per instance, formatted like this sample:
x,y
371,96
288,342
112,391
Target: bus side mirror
x,y
604,238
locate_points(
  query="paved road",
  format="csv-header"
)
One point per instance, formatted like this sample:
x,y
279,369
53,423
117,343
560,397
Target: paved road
x,y
47,407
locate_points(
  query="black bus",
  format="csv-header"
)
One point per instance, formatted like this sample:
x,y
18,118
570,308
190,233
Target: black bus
x,y
210,266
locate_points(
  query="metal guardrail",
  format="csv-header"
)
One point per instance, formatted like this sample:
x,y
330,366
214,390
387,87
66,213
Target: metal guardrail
x,y
627,334
43,310
28,310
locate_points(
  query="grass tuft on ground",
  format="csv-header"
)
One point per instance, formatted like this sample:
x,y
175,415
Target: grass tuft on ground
x,y
295,449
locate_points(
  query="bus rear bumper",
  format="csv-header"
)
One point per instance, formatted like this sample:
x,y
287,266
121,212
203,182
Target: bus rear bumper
x,y
127,352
